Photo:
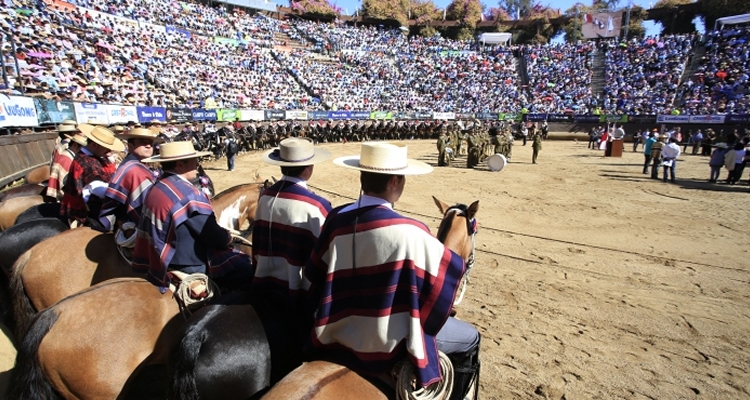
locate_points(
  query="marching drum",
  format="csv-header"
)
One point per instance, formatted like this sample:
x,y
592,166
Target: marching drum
x,y
496,162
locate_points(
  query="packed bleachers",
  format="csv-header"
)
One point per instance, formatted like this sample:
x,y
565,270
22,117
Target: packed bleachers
x,y
121,52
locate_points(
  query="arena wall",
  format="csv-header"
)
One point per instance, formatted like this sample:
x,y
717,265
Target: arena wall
x,y
21,153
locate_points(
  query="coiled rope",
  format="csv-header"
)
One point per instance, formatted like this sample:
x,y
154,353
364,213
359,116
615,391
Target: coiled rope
x,y
193,291
405,379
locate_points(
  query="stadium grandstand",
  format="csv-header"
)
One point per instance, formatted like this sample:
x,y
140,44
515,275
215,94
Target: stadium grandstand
x,y
161,55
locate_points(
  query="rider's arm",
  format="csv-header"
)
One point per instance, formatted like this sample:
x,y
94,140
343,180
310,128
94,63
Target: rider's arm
x,y
208,232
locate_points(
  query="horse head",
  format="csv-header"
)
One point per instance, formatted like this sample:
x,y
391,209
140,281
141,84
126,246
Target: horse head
x,y
458,227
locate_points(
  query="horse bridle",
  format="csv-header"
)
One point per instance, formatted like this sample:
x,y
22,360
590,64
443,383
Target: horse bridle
x,y
471,227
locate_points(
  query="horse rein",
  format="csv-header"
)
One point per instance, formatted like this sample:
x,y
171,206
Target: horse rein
x,y
471,227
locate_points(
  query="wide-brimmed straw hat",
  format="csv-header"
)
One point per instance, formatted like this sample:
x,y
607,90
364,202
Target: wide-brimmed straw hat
x,y
141,133
67,128
384,158
293,152
105,138
176,151
78,138
69,122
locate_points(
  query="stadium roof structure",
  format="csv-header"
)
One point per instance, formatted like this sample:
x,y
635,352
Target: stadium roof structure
x,y
495,37
732,20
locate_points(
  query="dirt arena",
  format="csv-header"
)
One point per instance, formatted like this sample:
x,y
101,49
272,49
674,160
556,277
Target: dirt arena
x,y
592,280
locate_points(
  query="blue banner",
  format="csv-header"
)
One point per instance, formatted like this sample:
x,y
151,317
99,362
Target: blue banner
x,y
559,118
586,118
200,114
642,119
317,115
148,114
360,114
737,119
490,116
275,114
172,29
534,117
341,115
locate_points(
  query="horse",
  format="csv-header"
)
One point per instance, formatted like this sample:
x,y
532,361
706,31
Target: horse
x,y
39,211
38,175
11,208
28,189
15,241
196,373
43,275
98,343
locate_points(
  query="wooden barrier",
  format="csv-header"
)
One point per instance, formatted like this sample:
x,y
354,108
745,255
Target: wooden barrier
x,y
19,154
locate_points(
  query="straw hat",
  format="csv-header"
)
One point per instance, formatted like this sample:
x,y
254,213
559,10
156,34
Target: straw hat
x,y
68,122
141,133
384,158
105,138
67,128
78,138
294,152
176,151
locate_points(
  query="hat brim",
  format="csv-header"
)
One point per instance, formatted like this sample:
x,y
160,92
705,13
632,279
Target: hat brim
x,y
117,145
413,167
126,136
270,158
157,158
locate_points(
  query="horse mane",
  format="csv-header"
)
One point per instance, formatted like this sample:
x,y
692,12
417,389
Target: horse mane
x,y
447,221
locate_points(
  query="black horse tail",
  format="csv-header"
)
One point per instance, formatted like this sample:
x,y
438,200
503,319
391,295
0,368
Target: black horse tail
x,y
184,359
23,311
27,380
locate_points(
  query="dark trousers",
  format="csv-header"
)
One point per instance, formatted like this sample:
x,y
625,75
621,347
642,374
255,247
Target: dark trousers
x,y
635,144
230,161
736,174
646,163
655,164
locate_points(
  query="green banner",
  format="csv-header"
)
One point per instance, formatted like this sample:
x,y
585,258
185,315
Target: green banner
x,y
223,40
227,115
509,116
381,115
613,118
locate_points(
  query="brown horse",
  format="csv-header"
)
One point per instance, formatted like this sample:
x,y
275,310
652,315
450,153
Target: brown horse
x,y
237,205
28,189
94,344
11,208
74,260
326,380
38,175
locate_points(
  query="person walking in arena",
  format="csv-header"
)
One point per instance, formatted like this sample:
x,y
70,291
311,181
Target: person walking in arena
x,y
647,146
178,228
362,317
536,146
288,221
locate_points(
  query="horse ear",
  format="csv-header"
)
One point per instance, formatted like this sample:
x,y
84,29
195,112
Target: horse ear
x,y
441,206
473,208
274,179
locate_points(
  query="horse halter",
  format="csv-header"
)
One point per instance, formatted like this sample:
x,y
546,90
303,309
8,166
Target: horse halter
x,y
471,228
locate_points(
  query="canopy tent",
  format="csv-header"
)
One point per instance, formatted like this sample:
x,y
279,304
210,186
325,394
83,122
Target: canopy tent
x,y
495,38
732,20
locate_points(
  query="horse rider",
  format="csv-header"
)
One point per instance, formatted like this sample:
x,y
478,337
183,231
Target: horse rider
x,y
175,216
382,286
127,189
89,173
288,220
62,159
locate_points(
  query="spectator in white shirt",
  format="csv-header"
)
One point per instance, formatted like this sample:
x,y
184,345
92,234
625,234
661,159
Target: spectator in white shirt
x,y
669,154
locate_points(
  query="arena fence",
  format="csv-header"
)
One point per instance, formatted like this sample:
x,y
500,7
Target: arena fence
x,y
21,153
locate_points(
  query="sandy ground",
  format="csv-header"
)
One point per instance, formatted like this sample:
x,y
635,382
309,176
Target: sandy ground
x,y
592,280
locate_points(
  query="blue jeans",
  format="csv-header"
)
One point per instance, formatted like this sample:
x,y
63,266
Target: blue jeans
x,y
670,170
230,161
457,336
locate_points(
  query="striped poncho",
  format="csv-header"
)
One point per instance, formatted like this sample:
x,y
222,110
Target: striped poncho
x,y
126,192
287,224
382,292
61,161
171,201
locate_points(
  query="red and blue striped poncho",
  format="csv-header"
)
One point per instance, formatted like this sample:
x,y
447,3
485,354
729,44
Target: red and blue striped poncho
x,y
169,203
287,224
381,292
126,192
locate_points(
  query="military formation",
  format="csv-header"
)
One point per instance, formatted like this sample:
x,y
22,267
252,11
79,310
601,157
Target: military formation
x,y
476,139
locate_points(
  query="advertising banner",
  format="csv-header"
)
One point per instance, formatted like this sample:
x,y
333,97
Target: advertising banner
x,y
179,115
601,25
121,114
738,119
586,118
339,114
274,114
360,114
227,115
296,114
642,119
148,114
317,115
444,115
422,115
613,118
86,112
672,119
534,117
17,111
559,118
509,116
706,119
252,115
52,111
490,116
381,115
200,114
464,116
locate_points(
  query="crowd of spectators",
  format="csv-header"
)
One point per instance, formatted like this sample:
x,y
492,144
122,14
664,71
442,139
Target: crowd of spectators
x,y
720,85
214,57
560,77
642,75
